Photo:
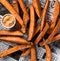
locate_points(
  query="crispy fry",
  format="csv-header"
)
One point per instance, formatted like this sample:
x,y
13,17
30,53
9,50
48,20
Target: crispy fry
x,y
32,23
11,33
15,6
26,53
55,14
25,15
23,7
37,6
48,53
33,54
25,19
17,40
37,29
14,49
12,11
50,38
44,14
42,34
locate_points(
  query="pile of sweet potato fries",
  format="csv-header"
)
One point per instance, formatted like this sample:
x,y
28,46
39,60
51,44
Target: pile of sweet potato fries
x,y
38,34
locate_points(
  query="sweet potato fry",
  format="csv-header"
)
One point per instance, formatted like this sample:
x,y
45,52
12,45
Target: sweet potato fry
x,y
33,54
17,40
26,53
55,14
42,34
37,29
25,15
13,49
15,6
50,38
32,23
48,53
37,6
25,19
12,11
23,7
11,33
43,19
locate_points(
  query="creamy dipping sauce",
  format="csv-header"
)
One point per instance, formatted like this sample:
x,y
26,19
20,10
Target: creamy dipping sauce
x,y
8,20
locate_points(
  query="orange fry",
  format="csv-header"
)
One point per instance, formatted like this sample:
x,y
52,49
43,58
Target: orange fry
x,y
42,33
44,14
17,40
37,29
26,53
25,15
23,7
33,54
32,23
15,6
11,33
48,53
55,14
12,11
36,4
50,38
25,19
13,49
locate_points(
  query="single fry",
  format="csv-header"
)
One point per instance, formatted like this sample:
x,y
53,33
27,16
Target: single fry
x,y
12,11
42,34
23,7
43,19
15,6
13,49
55,14
33,54
11,33
26,53
37,29
48,53
32,23
25,19
17,40
37,6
